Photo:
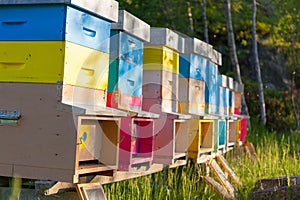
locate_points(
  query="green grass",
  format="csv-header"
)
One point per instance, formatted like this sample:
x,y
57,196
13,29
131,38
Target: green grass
x,y
279,155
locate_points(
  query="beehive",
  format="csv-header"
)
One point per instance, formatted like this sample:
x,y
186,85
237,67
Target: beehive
x,y
126,62
192,76
41,76
161,68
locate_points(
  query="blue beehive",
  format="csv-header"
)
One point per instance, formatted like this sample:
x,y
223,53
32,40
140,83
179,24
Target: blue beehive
x,y
126,62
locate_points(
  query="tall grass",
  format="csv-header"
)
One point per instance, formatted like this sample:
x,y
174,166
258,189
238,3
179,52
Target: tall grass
x,y
279,155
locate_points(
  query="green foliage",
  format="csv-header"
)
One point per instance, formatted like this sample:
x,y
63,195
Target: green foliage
x,y
278,106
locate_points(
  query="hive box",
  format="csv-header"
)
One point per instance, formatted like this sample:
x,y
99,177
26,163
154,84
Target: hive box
x,y
33,22
51,140
126,62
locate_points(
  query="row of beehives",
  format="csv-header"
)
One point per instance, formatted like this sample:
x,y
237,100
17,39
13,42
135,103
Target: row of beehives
x,y
86,88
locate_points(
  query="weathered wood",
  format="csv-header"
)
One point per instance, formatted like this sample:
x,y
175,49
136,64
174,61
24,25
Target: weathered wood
x,y
221,176
90,191
228,169
217,187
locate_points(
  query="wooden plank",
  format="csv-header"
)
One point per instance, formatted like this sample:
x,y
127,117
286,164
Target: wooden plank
x,y
122,175
90,191
228,169
221,176
54,189
217,187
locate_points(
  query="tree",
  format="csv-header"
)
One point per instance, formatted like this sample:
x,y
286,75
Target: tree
x,y
232,51
257,67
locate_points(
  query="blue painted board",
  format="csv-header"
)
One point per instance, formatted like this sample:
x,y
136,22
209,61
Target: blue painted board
x,y
126,47
52,23
222,132
192,66
125,77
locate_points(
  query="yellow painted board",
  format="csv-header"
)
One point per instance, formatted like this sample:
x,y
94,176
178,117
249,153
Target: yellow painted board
x,y
86,67
31,62
52,61
194,138
191,108
161,58
238,131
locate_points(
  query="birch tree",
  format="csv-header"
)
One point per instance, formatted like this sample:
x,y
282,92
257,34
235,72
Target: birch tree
x,y
232,51
257,67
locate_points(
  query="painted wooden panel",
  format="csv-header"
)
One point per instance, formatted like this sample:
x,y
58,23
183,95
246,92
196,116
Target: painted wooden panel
x,y
76,96
160,84
31,61
231,102
136,142
125,77
98,141
25,61
124,101
44,138
191,108
105,9
231,128
201,137
171,139
192,66
126,48
212,89
33,22
207,135
237,102
161,58
90,69
243,136
222,132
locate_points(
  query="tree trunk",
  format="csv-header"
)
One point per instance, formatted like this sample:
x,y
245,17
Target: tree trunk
x,y
206,38
191,25
232,51
292,87
257,67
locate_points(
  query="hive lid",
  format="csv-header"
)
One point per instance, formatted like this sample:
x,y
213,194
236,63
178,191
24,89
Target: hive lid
x,y
107,9
166,37
198,47
132,25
